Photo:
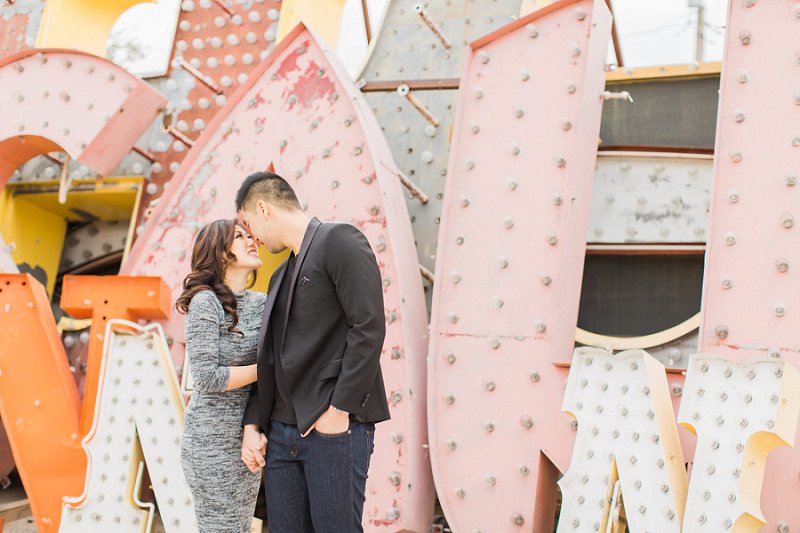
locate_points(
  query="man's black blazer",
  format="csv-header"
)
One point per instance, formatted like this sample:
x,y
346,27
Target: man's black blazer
x,y
335,328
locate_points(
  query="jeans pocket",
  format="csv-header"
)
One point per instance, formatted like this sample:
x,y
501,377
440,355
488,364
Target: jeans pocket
x,y
334,435
370,445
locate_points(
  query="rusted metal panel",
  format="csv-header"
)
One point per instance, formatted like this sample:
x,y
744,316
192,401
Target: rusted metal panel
x,y
750,289
93,241
96,127
217,46
406,49
510,260
650,198
19,24
300,112
420,149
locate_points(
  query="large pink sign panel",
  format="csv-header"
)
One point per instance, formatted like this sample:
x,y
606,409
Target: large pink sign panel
x,y
509,265
300,112
751,297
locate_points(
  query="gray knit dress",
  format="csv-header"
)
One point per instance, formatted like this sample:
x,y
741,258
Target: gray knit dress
x,y
224,490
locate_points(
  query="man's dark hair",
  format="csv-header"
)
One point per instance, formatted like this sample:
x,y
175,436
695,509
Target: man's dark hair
x,y
266,186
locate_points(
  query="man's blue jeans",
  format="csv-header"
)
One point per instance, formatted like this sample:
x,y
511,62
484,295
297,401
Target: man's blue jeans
x,y
317,484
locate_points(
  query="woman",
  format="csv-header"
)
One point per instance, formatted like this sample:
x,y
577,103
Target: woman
x,y
222,329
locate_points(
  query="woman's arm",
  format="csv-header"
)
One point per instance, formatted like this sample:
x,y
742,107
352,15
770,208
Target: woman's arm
x,y
239,376
202,343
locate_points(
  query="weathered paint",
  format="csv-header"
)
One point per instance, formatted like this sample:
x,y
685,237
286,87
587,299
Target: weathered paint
x,y
300,112
510,260
42,418
750,291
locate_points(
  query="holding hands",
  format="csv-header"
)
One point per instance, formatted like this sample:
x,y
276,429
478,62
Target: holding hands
x,y
254,448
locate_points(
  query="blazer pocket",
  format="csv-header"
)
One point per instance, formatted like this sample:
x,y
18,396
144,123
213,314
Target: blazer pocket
x,y
331,370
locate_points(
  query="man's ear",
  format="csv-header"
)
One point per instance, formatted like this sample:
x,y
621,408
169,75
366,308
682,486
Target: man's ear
x,y
263,208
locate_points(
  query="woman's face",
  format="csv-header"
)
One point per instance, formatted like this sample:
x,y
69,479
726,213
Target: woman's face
x,y
245,250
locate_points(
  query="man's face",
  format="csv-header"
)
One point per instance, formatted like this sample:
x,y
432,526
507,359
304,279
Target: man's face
x,y
259,219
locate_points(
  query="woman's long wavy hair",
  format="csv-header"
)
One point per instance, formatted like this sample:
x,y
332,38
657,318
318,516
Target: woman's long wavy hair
x,y
211,257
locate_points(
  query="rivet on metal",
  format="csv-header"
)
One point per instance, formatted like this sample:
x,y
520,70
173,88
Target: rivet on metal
x,y
743,77
745,37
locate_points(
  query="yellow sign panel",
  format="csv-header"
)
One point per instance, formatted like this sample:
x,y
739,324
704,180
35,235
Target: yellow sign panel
x,y
324,17
81,24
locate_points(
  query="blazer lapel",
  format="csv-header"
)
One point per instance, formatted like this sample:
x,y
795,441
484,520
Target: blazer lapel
x,y
313,227
268,305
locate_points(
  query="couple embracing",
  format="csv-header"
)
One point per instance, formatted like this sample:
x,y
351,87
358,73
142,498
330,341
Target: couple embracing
x,y
289,381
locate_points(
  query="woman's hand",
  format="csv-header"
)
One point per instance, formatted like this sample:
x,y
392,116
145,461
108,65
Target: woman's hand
x,y
254,448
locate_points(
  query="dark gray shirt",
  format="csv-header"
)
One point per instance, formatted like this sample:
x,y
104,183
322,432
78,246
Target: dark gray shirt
x,y
284,410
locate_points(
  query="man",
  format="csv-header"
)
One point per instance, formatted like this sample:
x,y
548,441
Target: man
x,y
320,390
